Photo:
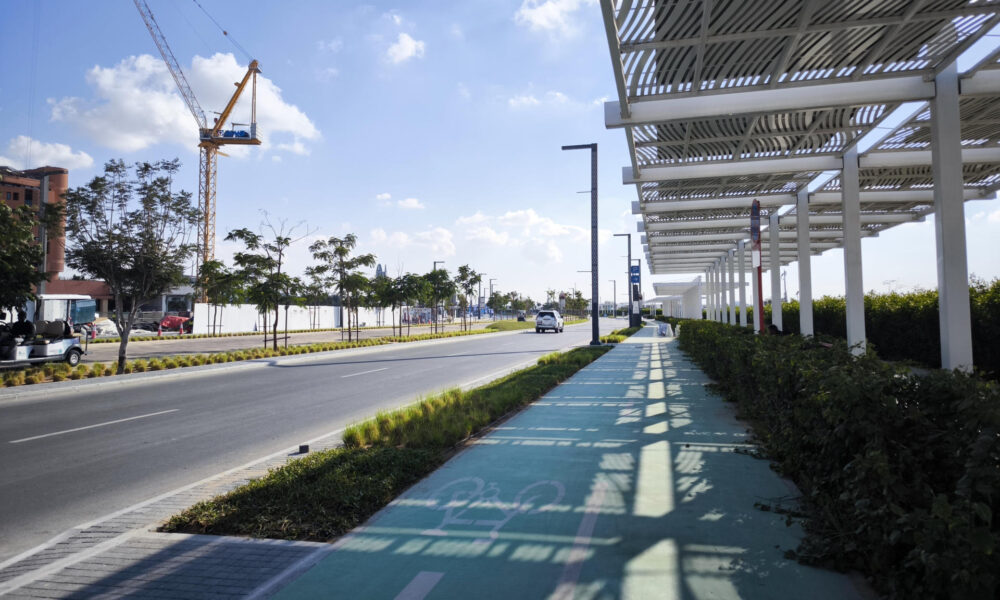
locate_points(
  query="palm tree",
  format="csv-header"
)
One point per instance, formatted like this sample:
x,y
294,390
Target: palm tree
x,y
340,269
439,287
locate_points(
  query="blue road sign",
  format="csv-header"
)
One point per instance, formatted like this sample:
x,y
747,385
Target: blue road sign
x,y
634,278
633,270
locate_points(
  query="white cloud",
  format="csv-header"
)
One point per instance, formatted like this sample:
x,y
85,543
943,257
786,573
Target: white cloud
x,y
550,16
404,49
383,196
549,99
457,32
994,217
136,105
463,91
295,147
477,218
438,240
488,234
333,45
410,204
327,74
42,154
522,101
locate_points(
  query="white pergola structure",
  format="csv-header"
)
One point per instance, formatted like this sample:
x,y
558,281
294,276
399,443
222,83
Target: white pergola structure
x,y
841,118
679,298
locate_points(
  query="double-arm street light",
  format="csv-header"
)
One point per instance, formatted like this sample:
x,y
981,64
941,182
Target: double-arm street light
x,y
596,334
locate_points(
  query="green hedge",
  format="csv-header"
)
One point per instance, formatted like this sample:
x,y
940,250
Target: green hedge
x,y
906,327
900,473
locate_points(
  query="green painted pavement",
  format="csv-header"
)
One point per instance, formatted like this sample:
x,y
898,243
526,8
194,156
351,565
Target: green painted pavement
x,y
623,482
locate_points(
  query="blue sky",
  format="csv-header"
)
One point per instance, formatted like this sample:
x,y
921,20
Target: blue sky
x,y
432,130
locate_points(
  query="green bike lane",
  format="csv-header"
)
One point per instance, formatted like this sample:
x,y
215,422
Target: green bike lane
x,y
626,481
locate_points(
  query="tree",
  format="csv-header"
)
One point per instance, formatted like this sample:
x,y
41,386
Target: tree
x,y
131,233
21,257
497,302
411,289
261,267
337,268
466,281
439,287
221,286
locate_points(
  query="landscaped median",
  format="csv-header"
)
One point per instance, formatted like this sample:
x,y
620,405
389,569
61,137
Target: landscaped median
x,y
900,473
512,325
618,335
326,494
62,371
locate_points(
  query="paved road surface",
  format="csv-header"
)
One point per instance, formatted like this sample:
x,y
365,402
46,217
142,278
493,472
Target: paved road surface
x,y
72,457
171,345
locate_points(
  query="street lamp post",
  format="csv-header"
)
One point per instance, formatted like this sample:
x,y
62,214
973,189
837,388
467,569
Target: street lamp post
x,y
596,334
491,298
614,298
628,276
479,298
434,309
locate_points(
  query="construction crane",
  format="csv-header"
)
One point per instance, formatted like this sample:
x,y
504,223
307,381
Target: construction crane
x,y
210,138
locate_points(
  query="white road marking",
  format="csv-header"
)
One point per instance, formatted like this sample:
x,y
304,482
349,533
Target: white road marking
x,y
38,437
421,585
364,372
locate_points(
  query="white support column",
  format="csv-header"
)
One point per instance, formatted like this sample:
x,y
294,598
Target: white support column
x,y
730,260
743,274
854,286
949,224
708,294
723,283
720,298
711,292
805,264
772,230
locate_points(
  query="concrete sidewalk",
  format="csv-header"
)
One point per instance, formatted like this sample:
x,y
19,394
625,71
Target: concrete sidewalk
x,y
622,482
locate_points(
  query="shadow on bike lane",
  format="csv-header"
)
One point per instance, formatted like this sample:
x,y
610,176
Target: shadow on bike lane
x,y
625,481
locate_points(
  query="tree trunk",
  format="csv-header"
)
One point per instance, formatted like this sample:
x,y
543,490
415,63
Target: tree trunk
x,y
286,326
277,314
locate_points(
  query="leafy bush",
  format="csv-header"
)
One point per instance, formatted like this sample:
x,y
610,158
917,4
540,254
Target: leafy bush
x,y
907,327
901,473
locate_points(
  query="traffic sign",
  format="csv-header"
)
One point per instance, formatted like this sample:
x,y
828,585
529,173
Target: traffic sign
x,y
755,222
634,278
633,270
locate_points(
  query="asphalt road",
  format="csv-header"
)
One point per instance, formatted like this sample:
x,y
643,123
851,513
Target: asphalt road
x,y
57,470
171,345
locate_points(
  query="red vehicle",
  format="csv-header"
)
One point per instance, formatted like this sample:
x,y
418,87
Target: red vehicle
x,y
175,323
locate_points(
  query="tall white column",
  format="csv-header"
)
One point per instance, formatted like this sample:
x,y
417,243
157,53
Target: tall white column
x,y
854,287
724,285
775,251
730,262
742,250
720,268
708,293
805,264
949,224
711,288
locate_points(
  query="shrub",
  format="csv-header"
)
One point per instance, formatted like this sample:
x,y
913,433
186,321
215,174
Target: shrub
x,y
901,473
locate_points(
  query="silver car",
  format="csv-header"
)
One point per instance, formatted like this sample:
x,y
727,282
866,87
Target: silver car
x,y
548,319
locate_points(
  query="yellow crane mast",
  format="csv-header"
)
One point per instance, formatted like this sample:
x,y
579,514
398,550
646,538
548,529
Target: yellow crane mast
x,y
210,138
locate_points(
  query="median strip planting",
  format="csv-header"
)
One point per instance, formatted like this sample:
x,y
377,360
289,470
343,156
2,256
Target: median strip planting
x,y
326,494
61,371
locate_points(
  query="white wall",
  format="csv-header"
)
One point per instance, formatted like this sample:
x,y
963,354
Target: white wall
x,y
239,318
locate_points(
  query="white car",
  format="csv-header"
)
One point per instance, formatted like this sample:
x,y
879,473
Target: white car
x,y
548,319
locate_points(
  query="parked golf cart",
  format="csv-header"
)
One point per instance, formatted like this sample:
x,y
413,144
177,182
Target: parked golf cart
x,y
53,342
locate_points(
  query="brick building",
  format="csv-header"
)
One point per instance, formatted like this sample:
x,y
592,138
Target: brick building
x,y
33,187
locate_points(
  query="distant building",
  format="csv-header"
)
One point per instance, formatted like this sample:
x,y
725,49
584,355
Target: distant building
x,y
32,187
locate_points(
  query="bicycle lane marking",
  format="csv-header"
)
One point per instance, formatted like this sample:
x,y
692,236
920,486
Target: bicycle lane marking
x,y
578,554
420,586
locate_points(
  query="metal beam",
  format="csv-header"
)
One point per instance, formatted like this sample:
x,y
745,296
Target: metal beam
x,y
916,158
821,95
702,170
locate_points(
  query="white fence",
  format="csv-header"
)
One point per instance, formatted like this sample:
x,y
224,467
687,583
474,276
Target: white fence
x,y
240,318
